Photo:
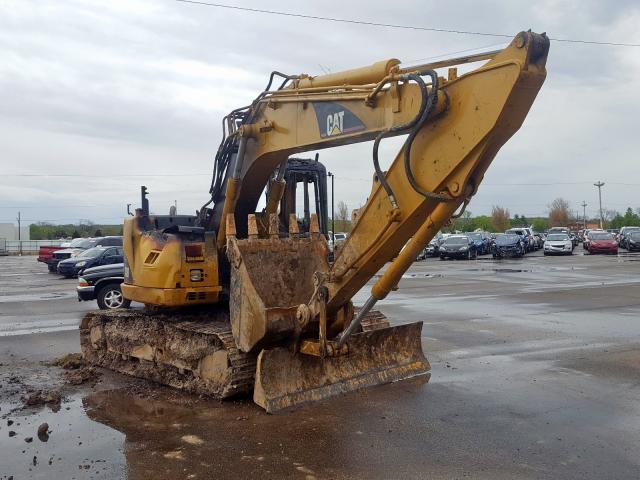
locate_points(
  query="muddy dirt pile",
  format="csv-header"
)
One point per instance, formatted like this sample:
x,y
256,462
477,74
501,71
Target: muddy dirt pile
x,y
70,361
77,371
51,398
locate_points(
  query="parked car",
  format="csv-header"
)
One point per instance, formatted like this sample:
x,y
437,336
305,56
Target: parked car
x,y
103,285
480,241
600,241
488,238
92,257
524,235
458,246
539,239
532,238
574,238
508,245
633,240
81,244
558,244
337,240
76,246
45,255
616,234
431,250
587,237
624,233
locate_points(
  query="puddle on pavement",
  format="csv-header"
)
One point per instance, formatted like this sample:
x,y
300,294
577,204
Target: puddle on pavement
x,y
523,270
77,447
499,270
118,433
422,275
416,275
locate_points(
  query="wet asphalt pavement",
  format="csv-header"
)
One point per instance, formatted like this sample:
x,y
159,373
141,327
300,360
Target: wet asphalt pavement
x,y
535,374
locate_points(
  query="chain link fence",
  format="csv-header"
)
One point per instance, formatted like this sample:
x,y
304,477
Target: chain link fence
x,y
25,247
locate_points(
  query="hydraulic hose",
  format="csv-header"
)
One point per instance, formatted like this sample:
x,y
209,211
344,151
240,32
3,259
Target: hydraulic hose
x,y
427,105
396,129
228,143
432,100
281,75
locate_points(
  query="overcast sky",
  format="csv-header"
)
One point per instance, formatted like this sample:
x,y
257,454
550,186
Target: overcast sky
x,y
116,92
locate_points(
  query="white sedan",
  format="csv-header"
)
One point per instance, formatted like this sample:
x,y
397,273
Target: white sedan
x,y
558,244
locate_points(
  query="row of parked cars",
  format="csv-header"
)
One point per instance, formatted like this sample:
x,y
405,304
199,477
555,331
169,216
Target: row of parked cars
x,y
81,254
97,262
608,241
514,242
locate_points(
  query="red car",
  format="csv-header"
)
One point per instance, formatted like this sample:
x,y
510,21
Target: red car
x,y
601,242
45,255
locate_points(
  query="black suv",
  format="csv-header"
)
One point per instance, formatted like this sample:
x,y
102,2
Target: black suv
x,y
103,284
92,257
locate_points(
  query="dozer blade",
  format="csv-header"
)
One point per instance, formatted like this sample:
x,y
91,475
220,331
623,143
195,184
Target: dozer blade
x,y
376,357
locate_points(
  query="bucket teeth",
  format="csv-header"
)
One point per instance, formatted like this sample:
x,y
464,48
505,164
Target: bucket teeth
x,y
314,227
274,226
231,226
252,227
294,231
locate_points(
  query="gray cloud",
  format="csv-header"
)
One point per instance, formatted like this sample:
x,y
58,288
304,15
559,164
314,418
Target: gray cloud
x,y
140,87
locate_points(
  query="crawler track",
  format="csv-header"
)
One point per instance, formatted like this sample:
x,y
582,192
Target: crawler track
x,y
191,352
194,352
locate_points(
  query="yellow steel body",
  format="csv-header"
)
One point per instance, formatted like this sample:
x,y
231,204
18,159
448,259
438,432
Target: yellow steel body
x,y
477,113
159,271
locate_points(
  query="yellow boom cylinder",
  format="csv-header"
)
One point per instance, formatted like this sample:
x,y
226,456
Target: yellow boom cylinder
x,y
390,278
357,76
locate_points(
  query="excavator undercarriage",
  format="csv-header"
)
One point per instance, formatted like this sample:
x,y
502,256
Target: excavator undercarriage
x,y
195,352
240,299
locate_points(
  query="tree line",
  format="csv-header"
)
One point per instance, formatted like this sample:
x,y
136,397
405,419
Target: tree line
x,y
86,228
559,214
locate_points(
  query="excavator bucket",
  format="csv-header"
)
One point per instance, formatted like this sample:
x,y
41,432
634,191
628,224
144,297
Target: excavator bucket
x,y
375,357
270,278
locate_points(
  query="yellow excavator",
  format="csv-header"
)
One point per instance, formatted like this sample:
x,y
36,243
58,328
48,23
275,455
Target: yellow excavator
x,y
241,299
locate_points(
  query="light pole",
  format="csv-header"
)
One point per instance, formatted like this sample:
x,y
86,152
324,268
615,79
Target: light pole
x,y
584,214
600,185
19,233
333,217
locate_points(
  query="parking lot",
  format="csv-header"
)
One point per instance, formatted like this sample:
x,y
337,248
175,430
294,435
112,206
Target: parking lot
x,y
535,367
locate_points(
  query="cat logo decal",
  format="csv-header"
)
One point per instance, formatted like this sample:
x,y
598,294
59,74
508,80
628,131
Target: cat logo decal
x,y
334,119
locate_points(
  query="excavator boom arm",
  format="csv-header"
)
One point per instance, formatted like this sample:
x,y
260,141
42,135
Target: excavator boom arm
x,y
472,116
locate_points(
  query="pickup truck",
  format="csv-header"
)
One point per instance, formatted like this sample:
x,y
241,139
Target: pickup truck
x,y
45,255
103,284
